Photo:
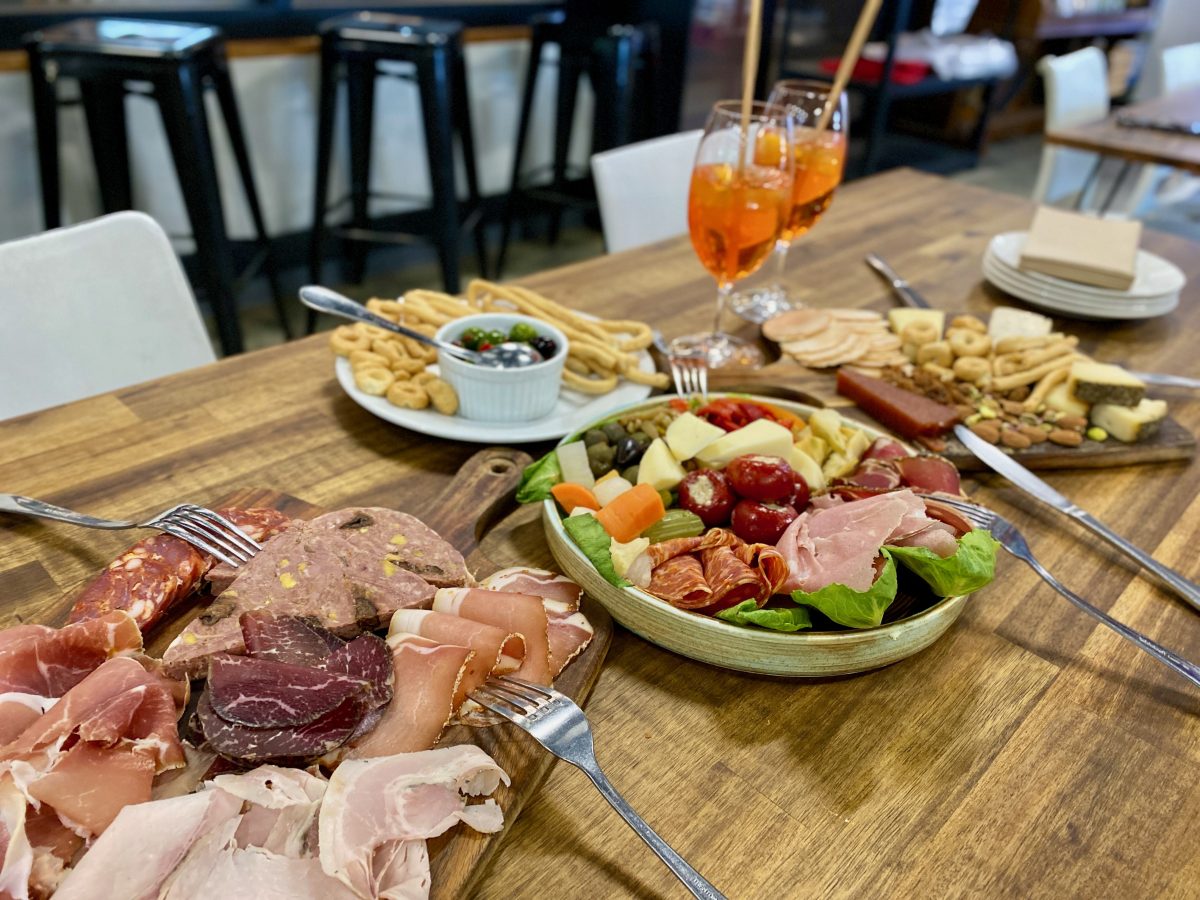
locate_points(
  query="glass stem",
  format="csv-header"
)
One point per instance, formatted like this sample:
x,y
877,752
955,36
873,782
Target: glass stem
x,y
724,289
781,252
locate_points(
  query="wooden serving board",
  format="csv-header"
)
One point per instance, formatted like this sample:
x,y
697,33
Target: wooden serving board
x,y
477,501
791,380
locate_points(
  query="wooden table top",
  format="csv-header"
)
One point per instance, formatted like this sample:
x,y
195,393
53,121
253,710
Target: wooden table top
x,y
1028,753
1146,145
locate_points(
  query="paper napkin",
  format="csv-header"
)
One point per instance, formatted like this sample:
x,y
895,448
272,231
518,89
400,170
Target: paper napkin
x,y
1082,248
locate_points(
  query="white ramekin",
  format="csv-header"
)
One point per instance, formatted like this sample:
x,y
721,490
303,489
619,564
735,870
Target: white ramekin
x,y
503,395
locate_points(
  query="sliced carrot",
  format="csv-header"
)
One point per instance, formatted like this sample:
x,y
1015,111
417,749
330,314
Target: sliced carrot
x,y
631,513
571,495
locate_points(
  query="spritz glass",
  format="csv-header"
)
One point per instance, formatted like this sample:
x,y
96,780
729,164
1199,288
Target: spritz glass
x,y
820,160
737,206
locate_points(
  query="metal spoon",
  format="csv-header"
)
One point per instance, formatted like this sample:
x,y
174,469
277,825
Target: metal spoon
x,y
509,355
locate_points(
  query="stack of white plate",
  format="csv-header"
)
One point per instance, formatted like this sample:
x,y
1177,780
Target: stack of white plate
x,y
1155,289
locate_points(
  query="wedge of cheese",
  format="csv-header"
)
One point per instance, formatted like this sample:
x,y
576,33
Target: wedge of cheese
x,y
688,434
659,468
1060,400
1093,382
1130,423
1008,321
762,436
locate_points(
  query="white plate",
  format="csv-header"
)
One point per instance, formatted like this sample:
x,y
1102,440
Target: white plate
x,y
1154,276
1057,301
572,412
805,654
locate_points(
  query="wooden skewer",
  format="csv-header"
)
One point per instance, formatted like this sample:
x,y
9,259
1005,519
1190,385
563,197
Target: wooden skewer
x,y
750,71
862,29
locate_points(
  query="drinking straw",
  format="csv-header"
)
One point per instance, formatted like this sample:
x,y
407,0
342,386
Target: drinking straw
x,y
862,29
749,72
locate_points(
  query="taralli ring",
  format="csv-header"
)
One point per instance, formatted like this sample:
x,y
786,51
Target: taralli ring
x,y
920,332
970,343
972,368
408,395
345,339
374,380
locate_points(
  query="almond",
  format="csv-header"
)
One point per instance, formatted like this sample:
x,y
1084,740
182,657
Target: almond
x,y
1065,437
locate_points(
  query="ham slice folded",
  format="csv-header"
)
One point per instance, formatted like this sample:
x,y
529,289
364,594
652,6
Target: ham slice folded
x,y
35,659
521,614
714,571
569,631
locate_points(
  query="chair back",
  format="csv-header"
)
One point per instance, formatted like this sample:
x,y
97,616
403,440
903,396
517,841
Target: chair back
x,y
643,188
1076,92
92,308
1180,67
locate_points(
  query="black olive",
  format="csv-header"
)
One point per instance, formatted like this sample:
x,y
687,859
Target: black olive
x,y
594,436
628,451
614,431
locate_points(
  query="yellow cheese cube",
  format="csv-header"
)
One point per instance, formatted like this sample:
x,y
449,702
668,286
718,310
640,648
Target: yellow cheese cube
x,y
762,436
689,434
659,468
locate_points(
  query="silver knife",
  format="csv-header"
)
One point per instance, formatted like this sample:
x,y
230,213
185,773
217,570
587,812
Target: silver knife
x,y
1179,381
908,296
1039,490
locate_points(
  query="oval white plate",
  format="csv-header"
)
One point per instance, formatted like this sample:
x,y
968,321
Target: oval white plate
x,y
810,654
1065,304
572,412
1154,276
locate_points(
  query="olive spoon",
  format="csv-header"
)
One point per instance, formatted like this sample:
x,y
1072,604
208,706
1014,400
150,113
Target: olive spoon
x,y
509,355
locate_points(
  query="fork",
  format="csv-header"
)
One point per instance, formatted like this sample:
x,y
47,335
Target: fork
x,y
690,374
202,528
1014,542
559,725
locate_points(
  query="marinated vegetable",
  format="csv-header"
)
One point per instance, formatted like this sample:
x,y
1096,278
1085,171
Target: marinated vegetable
x,y
761,523
707,495
765,478
675,523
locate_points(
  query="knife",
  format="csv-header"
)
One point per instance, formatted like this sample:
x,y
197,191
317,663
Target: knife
x,y
1000,462
1159,378
900,287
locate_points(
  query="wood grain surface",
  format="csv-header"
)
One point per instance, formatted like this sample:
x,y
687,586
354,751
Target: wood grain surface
x,y
1028,753
1147,145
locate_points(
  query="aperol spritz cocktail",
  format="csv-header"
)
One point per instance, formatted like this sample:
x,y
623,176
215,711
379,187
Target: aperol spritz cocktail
x,y
820,160
737,207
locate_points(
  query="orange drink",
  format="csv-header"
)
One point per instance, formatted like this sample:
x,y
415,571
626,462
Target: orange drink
x,y
820,160
734,218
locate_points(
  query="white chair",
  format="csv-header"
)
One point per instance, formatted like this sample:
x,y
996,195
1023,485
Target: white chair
x,y
643,189
1180,67
92,308
1076,92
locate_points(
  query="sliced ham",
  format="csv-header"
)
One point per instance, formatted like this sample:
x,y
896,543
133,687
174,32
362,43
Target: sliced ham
x,y
35,659
431,674
372,804
255,874
522,614
283,806
496,650
539,582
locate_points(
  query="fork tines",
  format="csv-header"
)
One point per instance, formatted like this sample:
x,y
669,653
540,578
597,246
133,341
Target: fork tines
x,y
690,374
979,516
208,531
511,697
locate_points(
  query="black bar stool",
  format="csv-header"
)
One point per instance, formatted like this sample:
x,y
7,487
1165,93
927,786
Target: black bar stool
x,y
177,61
352,46
619,61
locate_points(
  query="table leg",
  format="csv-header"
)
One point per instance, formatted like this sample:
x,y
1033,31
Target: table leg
x,y
1112,192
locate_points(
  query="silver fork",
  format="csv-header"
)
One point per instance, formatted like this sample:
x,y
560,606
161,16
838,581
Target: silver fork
x,y
690,374
1014,542
202,528
555,722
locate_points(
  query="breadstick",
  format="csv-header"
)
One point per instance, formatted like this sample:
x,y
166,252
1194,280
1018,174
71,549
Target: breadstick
x,y
1048,382
1029,376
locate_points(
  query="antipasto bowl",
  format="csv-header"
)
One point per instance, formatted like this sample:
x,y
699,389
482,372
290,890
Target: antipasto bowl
x,y
801,654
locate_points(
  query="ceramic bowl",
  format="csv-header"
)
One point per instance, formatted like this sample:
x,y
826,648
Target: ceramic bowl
x,y
503,395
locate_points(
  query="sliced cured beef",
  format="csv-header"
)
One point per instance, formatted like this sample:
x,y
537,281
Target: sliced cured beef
x,y
428,675
287,639
496,650
539,582
368,659
295,744
521,614
263,693
49,662
929,474
373,804
714,571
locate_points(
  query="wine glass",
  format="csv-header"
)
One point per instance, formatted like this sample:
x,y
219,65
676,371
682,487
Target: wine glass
x,y
820,159
739,200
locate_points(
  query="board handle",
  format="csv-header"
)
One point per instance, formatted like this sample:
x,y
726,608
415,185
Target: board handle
x,y
480,495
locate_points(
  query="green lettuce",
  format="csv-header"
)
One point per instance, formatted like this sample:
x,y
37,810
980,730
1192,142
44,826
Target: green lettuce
x,y
748,613
590,537
538,478
855,609
971,567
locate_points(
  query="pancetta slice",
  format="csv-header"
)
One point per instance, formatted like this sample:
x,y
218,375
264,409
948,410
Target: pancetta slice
x,y
49,662
496,650
431,674
521,614
373,803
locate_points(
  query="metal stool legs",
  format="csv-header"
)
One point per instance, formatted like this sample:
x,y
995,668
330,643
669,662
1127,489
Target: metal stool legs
x,y
45,116
104,110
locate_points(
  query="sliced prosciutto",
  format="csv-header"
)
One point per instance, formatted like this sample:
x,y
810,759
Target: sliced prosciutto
x,y
713,571
539,582
373,807
522,614
35,659
16,854
569,630
18,711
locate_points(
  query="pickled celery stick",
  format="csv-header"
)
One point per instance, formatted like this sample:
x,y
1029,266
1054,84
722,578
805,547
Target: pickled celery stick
x,y
573,461
676,523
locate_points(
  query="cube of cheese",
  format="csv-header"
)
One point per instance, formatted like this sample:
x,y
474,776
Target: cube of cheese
x,y
1008,321
659,468
1130,424
689,434
1060,400
1093,382
816,448
901,318
762,436
827,424
808,468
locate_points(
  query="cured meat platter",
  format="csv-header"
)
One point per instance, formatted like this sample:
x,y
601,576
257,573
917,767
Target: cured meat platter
x,y
477,501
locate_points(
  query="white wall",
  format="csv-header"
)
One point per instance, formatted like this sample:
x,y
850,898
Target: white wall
x,y
277,99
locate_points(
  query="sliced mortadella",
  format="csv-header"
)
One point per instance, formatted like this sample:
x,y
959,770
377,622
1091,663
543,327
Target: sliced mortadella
x,y
523,614
570,632
432,674
496,650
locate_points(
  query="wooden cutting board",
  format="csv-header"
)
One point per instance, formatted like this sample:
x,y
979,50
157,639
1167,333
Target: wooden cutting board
x,y
478,501
789,380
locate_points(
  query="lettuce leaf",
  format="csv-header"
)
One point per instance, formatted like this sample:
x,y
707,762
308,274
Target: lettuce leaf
x,y
855,609
748,613
590,537
538,478
971,567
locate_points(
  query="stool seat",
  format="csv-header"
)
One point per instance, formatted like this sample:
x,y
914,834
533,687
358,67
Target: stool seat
x,y
390,29
180,61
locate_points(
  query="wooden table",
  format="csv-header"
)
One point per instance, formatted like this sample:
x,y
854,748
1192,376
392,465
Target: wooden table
x,y
1142,145
1027,753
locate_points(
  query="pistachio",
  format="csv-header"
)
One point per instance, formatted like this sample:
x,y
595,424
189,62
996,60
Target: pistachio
x,y
1096,433
987,412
